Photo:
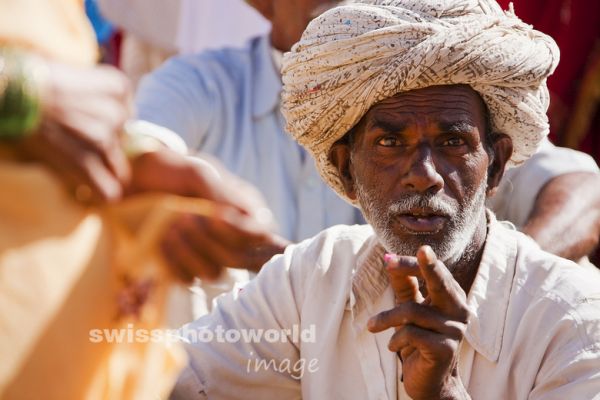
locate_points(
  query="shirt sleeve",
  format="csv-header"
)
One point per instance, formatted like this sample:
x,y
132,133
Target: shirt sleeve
x,y
177,96
248,347
520,186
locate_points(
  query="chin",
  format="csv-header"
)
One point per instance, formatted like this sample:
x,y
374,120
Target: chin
x,y
449,245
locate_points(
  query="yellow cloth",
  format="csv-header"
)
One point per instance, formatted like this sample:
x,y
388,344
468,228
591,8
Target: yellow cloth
x,y
53,28
64,270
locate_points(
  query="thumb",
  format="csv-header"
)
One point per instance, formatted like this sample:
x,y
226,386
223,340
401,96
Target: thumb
x,y
403,272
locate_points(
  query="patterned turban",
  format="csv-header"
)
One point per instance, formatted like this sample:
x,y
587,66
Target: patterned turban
x,y
355,55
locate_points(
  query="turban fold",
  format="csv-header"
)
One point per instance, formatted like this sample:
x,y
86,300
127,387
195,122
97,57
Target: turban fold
x,y
353,56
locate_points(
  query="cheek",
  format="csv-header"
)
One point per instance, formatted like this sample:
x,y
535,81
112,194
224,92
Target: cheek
x,y
464,175
376,173
472,174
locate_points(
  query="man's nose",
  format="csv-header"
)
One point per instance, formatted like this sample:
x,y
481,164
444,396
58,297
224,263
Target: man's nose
x,y
422,175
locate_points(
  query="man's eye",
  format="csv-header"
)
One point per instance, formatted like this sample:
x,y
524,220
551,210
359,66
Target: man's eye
x,y
454,141
389,141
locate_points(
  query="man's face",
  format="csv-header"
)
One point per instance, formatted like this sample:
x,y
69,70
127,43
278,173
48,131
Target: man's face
x,y
418,168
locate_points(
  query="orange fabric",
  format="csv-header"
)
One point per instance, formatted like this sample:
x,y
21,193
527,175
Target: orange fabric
x,y
64,270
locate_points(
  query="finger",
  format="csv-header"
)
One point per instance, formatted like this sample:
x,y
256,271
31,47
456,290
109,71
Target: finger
x,y
403,272
411,313
89,168
443,290
433,346
74,165
101,137
102,182
184,257
202,241
222,248
236,229
260,255
227,188
172,259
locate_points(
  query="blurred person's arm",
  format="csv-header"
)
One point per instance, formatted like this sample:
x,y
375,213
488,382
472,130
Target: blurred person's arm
x,y
566,215
238,233
179,97
553,197
83,113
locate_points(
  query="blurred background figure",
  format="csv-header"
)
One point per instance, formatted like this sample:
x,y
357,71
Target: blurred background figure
x,y
153,30
88,208
211,24
575,85
148,32
107,35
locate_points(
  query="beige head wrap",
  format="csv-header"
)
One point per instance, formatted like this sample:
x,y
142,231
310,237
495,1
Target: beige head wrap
x,y
356,55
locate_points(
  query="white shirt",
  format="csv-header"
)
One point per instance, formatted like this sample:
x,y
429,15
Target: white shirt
x,y
226,103
534,334
156,22
212,24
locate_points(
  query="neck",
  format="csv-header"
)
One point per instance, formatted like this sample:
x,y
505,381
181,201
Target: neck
x,y
465,268
278,43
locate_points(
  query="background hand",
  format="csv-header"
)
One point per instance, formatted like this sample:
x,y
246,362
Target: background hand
x,y
237,234
84,110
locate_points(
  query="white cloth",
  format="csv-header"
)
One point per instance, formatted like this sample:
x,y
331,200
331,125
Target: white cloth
x,y
535,333
155,22
354,56
211,24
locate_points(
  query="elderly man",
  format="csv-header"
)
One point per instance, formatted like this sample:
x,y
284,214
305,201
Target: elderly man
x,y
227,103
412,110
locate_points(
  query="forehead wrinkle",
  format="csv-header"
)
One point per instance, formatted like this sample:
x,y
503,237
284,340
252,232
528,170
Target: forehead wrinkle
x,y
458,126
439,105
447,114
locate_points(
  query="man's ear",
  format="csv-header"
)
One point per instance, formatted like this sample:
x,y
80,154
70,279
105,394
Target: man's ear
x,y
503,148
339,156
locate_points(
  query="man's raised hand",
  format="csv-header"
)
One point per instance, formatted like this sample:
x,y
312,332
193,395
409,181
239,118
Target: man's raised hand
x,y
428,329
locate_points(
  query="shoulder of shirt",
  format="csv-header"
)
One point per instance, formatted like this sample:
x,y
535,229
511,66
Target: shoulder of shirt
x,y
557,272
569,290
332,244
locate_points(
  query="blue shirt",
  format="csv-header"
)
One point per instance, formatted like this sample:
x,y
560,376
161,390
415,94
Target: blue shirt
x,y
226,103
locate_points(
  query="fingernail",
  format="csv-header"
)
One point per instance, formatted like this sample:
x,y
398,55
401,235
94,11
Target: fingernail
x,y
371,323
427,254
390,257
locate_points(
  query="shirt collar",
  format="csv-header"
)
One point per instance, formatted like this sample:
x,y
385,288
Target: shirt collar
x,y
490,292
267,89
488,297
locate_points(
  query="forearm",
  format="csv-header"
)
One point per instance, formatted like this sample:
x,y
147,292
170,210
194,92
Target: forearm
x,y
566,215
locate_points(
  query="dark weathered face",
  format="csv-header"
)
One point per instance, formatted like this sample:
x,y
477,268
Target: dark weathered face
x,y
418,166
289,18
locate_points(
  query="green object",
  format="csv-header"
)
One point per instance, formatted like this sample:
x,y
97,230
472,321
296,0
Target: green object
x,y
20,108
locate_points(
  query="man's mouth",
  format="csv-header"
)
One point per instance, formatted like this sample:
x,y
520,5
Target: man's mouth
x,y
421,221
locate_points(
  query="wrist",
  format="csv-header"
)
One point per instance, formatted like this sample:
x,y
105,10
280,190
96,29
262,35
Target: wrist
x,y
454,390
142,137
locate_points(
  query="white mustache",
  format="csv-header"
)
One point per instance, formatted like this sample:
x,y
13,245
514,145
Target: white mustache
x,y
414,201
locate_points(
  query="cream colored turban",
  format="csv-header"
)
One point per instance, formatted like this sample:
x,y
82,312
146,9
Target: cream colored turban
x,y
356,55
